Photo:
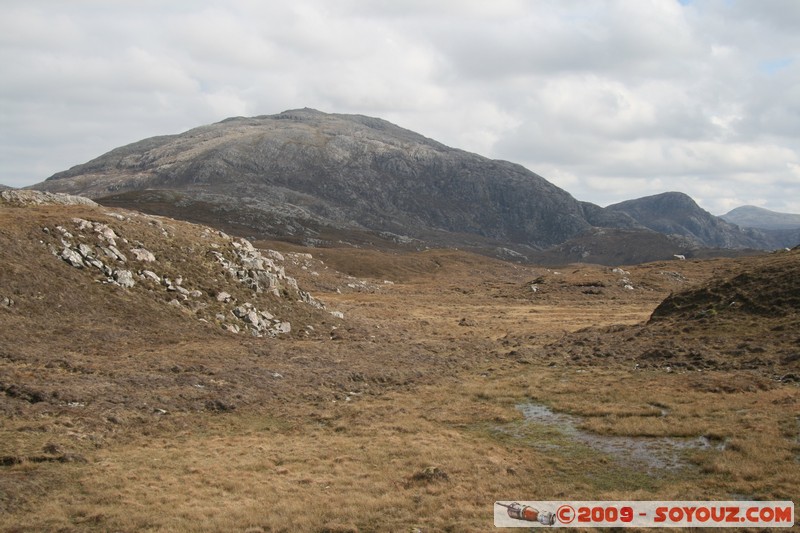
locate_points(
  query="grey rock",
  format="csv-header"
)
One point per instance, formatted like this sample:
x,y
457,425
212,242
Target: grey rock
x,y
93,261
241,311
119,255
24,198
105,232
252,318
72,257
142,254
277,256
152,276
266,280
65,232
124,278
108,252
82,223
223,297
85,251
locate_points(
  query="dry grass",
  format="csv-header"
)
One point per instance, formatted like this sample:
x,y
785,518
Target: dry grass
x,y
401,416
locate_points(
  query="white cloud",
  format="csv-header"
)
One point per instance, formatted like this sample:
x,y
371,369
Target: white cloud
x,y
609,99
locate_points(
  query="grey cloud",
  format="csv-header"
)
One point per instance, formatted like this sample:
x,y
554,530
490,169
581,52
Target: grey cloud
x,y
607,98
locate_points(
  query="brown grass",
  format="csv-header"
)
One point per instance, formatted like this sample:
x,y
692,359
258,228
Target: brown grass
x,y
395,418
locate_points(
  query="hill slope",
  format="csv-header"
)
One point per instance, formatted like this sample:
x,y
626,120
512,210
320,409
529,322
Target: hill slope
x,y
750,216
675,213
165,275
305,168
325,179
746,316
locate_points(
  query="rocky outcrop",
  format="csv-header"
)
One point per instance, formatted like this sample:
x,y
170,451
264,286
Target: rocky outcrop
x,y
261,274
23,198
116,257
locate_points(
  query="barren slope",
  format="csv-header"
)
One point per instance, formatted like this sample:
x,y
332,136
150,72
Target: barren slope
x,y
305,168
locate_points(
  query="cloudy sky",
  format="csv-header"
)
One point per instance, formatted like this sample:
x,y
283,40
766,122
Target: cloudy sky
x,y
610,100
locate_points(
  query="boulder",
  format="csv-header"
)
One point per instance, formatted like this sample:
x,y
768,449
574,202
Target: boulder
x,y
152,276
119,255
143,255
124,278
85,251
72,257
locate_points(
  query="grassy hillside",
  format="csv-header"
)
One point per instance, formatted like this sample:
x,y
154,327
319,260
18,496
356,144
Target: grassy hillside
x,y
128,408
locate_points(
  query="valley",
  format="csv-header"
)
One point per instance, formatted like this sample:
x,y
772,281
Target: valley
x,y
395,399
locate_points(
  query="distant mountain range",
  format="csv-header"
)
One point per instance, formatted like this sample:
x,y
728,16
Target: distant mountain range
x,y
326,179
750,216
675,213
4,187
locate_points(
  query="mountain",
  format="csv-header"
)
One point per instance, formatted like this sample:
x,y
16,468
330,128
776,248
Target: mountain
x,y
675,213
301,170
4,187
323,179
781,230
750,216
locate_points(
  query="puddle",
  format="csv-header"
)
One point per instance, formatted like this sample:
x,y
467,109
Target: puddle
x,y
651,452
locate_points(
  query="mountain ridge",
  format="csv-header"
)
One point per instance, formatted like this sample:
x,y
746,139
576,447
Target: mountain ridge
x,y
316,178
344,170
676,213
751,216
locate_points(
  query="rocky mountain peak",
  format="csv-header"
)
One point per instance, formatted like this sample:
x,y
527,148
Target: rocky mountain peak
x,y
675,213
322,179
305,169
663,204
